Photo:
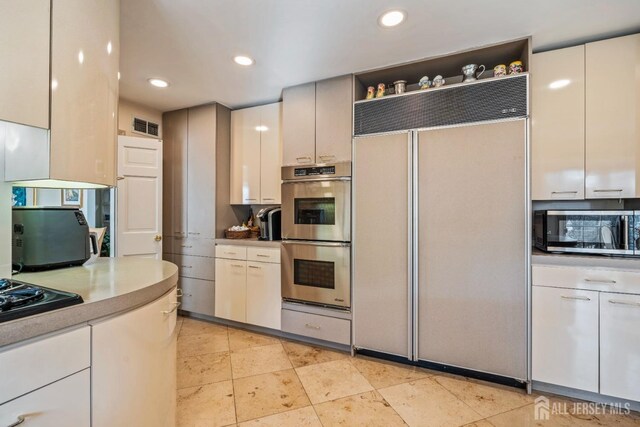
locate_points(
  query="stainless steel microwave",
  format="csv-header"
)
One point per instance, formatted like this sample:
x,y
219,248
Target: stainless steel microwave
x,y
608,232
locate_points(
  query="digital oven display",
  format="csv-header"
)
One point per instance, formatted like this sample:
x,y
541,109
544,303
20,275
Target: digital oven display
x,y
320,170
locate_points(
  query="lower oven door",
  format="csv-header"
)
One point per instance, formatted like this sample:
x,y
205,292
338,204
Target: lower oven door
x,y
317,272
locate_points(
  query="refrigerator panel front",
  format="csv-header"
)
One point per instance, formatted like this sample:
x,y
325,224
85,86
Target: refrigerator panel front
x,y
472,251
381,244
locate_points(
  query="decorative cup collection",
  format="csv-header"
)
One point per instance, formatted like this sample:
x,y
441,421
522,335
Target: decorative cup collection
x,y
470,72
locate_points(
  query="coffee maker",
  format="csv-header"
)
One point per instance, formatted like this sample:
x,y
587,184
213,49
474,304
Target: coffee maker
x,y
270,223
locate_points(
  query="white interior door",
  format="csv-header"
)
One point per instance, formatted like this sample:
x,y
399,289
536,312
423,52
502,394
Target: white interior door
x,y
139,198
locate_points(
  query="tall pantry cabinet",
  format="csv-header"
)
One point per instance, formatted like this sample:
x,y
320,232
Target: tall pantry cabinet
x,y
196,142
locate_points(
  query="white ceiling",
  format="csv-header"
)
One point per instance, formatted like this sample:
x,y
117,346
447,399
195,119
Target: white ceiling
x,y
191,43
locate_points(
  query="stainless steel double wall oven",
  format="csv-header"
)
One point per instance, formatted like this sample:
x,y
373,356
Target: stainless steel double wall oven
x,y
316,233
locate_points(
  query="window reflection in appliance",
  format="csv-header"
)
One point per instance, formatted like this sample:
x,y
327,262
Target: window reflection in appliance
x,y
315,211
585,231
317,274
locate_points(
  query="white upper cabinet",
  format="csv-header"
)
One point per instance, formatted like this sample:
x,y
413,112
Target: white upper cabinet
x,y
299,124
256,147
82,55
334,112
557,125
612,117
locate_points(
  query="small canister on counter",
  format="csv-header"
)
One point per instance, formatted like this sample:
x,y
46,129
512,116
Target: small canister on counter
x,y
380,92
516,67
371,91
400,86
500,70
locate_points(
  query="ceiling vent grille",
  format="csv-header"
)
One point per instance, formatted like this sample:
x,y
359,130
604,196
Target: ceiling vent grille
x,y
144,127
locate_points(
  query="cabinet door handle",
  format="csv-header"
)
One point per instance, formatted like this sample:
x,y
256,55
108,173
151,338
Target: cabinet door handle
x,y
175,307
634,304
607,282
576,298
327,157
179,293
119,178
186,246
263,256
250,200
253,266
610,190
269,198
19,420
194,233
186,266
305,159
231,253
237,265
310,326
564,192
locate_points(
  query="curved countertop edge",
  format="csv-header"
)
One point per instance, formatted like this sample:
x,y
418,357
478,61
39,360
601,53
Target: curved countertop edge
x,y
25,328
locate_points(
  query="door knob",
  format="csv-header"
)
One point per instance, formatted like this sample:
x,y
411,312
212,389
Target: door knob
x,y
158,238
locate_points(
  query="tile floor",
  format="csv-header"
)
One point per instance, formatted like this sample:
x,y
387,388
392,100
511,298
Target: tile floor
x,y
229,377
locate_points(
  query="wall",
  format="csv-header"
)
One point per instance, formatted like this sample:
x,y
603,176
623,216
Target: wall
x,y
128,109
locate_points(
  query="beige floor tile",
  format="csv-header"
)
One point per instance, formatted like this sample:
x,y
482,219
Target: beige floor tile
x,y
206,405
259,360
427,403
267,394
332,380
481,423
487,400
239,339
366,409
303,417
197,327
304,355
384,374
204,369
195,345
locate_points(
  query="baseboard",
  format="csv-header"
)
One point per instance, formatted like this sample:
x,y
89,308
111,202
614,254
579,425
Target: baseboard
x,y
584,395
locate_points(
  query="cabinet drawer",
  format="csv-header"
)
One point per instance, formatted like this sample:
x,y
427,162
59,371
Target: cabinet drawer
x,y
191,246
196,267
593,279
318,327
197,295
64,403
45,360
231,252
263,254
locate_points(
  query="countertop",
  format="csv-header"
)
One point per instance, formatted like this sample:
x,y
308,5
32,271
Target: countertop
x,y
575,260
250,242
107,286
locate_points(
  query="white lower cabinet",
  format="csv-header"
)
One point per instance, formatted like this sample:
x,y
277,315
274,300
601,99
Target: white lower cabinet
x,y
134,365
248,285
620,345
231,289
66,402
565,337
197,295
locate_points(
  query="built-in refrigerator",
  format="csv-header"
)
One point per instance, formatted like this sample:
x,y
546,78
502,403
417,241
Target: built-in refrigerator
x,y
440,247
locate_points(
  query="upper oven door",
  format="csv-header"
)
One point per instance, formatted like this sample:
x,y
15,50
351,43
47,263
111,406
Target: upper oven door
x,y
317,209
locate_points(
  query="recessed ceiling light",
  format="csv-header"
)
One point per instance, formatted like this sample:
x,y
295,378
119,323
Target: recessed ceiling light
x,y
243,60
391,18
158,82
262,128
558,84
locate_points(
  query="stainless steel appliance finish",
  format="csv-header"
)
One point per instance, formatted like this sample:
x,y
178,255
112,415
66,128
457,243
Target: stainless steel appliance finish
x,y
316,202
317,272
606,232
270,223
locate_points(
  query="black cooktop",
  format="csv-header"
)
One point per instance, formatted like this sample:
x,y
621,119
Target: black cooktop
x,y
19,299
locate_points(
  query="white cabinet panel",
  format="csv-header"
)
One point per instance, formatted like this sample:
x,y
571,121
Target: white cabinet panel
x,y
270,154
620,345
591,279
299,124
334,112
557,124
612,117
245,156
45,360
134,367
198,296
231,252
64,403
196,267
263,254
319,327
174,199
264,300
231,289
565,337
192,246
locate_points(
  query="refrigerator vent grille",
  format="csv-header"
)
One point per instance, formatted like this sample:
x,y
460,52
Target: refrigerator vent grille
x,y
495,99
142,126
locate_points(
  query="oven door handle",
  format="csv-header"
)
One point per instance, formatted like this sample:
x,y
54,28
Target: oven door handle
x,y
314,243
298,181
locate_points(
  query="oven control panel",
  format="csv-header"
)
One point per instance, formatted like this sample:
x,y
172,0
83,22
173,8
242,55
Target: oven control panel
x,y
316,170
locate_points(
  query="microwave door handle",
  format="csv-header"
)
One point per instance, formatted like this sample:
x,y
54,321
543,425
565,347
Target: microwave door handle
x,y
625,232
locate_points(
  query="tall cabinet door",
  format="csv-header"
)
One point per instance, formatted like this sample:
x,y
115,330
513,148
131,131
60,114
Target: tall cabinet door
x,y
299,124
472,250
334,107
270,153
201,199
381,241
612,117
557,125
174,173
245,156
